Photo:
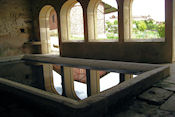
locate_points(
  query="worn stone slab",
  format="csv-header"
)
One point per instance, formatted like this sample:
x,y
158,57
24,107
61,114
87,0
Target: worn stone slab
x,y
129,113
161,113
166,85
143,107
169,105
156,95
172,66
170,79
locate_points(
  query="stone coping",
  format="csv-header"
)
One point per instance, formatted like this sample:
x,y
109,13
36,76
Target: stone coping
x,y
11,59
94,105
112,66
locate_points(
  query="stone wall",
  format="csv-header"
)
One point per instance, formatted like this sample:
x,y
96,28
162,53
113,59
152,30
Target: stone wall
x,y
15,26
53,20
76,20
100,19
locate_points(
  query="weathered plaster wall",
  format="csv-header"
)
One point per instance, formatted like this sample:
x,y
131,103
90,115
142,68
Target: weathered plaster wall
x,y
15,26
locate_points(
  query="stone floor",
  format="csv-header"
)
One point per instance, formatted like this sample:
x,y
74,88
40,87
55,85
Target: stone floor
x,y
158,101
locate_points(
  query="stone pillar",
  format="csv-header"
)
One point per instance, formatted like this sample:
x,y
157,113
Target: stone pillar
x,y
124,77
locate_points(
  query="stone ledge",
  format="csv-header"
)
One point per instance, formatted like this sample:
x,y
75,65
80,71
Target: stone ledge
x,y
117,66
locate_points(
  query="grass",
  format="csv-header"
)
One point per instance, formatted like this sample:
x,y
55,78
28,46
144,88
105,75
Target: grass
x,y
148,34
76,38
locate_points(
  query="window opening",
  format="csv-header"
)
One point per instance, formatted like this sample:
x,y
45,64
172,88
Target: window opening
x,y
104,21
144,20
72,22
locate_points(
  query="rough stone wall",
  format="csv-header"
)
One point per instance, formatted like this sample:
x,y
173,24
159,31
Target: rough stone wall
x,y
100,19
76,20
53,20
76,17
15,26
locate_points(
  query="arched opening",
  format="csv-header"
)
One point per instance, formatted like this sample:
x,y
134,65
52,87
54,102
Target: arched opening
x,y
49,30
72,25
50,45
144,20
103,20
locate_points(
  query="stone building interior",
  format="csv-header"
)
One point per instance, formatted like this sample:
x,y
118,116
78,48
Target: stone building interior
x,y
82,58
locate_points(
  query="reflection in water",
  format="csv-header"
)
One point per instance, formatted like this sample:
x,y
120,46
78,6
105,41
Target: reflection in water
x,y
106,82
109,80
57,82
80,90
33,76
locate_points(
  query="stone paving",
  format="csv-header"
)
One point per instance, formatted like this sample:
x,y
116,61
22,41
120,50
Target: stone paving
x,y
155,102
169,105
155,95
158,101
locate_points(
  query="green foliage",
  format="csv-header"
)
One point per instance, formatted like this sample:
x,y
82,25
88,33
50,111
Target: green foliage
x,y
111,36
142,29
112,27
161,30
76,38
148,34
115,22
146,29
112,30
140,25
151,24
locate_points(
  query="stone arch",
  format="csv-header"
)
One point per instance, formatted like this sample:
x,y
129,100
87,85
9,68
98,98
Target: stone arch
x,y
93,26
65,21
44,23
